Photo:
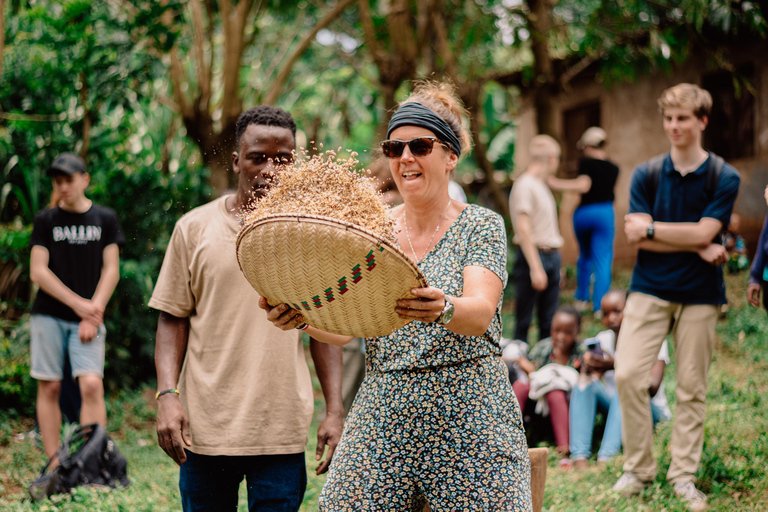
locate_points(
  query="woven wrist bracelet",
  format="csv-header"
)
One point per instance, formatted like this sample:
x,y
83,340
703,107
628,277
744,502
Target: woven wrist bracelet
x,y
303,327
161,393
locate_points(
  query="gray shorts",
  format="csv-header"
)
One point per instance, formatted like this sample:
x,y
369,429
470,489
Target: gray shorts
x,y
52,338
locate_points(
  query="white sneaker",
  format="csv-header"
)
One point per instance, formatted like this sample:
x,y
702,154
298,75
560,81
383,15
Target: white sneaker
x,y
687,491
629,485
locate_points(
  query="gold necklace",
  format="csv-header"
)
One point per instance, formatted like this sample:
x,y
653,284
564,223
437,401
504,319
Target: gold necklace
x,y
408,236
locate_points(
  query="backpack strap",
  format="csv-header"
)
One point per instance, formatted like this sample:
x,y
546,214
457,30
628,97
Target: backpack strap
x,y
714,170
652,178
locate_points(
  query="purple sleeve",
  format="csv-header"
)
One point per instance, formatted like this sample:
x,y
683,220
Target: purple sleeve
x,y
758,264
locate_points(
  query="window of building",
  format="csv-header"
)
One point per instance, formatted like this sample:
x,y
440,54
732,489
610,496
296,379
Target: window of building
x,y
731,129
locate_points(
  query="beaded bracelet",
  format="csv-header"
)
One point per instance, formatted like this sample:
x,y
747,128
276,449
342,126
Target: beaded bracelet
x,y
161,393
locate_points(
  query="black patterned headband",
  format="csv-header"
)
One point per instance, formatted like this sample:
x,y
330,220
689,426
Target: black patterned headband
x,y
416,114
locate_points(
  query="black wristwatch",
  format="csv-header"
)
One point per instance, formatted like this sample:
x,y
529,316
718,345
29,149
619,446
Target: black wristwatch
x,y
447,314
650,231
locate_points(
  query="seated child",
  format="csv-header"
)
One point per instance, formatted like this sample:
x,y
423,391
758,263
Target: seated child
x,y
596,389
563,349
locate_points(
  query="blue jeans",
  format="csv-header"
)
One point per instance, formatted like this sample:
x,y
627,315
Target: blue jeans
x,y
276,483
593,224
584,406
583,411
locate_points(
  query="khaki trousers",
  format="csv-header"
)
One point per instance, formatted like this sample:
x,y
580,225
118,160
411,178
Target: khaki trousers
x,y
647,321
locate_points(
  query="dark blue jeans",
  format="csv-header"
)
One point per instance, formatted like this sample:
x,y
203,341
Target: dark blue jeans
x,y
526,297
276,483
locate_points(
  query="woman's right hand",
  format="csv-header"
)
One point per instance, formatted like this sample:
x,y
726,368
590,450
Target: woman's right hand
x,y
282,316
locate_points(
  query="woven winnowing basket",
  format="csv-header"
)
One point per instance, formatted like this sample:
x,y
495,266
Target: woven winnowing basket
x,y
344,279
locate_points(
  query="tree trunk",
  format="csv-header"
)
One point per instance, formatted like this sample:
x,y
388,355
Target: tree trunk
x,y
539,23
222,178
388,92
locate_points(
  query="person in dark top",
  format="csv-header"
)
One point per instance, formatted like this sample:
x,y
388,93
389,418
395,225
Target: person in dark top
x,y
758,274
593,220
75,261
677,285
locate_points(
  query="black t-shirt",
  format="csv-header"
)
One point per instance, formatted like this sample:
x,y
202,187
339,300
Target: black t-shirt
x,y
603,175
75,243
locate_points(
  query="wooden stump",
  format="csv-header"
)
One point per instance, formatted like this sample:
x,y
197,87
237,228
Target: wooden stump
x,y
539,458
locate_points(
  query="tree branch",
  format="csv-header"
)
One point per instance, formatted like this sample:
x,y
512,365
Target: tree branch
x,y
444,48
279,57
209,34
282,77
198,52
231,105
366,20
177,77
402,39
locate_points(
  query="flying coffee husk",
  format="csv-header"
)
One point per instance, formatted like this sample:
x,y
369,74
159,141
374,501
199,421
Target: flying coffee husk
x,y
328,186
322,242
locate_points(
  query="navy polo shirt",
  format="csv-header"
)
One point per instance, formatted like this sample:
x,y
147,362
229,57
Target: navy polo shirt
x,y
681,277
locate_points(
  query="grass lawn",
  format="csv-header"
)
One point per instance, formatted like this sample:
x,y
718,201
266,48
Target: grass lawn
x,y
731,473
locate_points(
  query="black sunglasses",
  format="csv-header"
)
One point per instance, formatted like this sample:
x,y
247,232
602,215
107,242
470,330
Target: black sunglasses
x,y
420,146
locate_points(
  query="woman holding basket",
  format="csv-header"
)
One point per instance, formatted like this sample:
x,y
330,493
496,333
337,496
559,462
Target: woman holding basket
x,y
435,419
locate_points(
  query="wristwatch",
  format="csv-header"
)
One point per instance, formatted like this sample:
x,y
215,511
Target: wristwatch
x,y
650,231
447,313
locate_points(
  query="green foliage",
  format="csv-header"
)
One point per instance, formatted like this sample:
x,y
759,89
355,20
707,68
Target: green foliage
x,y
17,388
635,37
67,63
106,88
14,243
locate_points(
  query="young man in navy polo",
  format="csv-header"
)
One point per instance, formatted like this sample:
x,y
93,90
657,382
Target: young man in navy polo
x,y
75,260
679,203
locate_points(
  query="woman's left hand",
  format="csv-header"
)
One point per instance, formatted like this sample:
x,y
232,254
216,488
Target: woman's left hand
x,y
427,307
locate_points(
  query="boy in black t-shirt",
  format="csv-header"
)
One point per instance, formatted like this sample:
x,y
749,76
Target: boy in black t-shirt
x,y
75,261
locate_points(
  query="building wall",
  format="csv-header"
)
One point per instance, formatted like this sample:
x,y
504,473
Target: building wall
x,y
630,116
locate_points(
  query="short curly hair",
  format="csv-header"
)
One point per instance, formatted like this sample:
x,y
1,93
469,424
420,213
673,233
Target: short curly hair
x,y
265,115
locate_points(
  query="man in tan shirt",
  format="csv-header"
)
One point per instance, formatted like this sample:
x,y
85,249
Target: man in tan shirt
x,y
537,237
234,392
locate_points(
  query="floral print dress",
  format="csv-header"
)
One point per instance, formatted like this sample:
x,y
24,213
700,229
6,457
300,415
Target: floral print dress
x,y
435,419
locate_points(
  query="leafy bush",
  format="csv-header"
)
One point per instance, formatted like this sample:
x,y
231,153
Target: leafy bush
x,y
105,107
17,388
14,269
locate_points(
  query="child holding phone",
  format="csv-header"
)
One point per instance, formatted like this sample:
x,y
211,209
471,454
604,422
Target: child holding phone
x,y
596,389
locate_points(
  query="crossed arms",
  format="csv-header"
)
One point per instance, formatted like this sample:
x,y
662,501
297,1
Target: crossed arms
x,y
677,236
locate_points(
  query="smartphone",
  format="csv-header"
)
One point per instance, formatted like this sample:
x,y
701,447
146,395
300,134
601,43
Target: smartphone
x,y
593,346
